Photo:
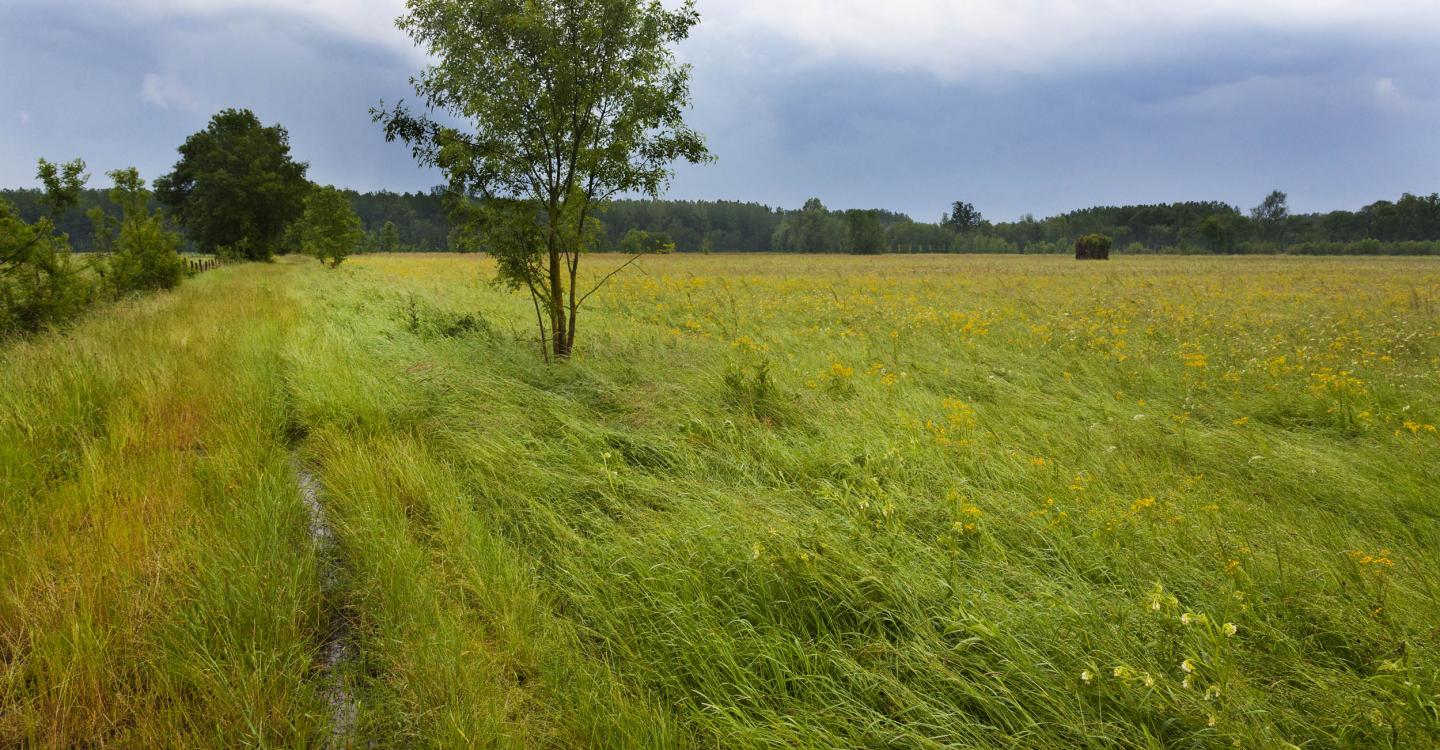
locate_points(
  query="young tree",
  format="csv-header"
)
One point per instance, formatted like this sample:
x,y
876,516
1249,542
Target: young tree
x,y
389,238
63,184
39,285
146,254
235,187
329,230
571,102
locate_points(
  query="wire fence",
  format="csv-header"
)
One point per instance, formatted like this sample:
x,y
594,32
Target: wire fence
x,y
199,265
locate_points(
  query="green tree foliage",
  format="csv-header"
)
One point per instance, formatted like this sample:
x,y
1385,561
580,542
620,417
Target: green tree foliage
x,y
816,231
866,234
728,226
235,188
389,238
329,229
1408,226
909,236
572,102
63,184
640,242
981,242
422,220
1217,233
963,217
40,285
1270,216
104,227
812,229
145,252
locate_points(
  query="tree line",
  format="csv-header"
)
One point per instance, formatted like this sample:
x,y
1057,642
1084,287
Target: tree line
x,y
422,222
1407,226
391,222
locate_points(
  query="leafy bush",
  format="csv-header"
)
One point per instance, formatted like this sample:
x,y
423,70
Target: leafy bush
x,y
638,241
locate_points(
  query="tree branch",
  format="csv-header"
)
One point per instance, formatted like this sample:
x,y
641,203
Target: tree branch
x,y
607,278
21,251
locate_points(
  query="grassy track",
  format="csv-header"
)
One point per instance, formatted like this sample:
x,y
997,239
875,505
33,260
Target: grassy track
x,y
156,582
776,502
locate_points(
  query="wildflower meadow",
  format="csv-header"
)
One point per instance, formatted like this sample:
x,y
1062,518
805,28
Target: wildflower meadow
x,y
772,502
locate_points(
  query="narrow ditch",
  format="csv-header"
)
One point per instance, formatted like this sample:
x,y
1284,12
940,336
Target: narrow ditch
x,y
337,651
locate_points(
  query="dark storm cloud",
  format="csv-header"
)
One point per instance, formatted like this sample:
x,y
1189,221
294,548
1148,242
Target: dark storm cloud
x,y
1336,122
1338,119
120,91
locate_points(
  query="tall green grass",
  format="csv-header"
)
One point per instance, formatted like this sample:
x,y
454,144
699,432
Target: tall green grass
x,y
157,582
774,502
726,524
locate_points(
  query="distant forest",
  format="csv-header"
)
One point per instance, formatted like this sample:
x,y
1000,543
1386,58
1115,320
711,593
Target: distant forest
x,y
401,222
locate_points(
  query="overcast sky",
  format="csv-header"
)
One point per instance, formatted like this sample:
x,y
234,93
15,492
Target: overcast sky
x,y
1014,105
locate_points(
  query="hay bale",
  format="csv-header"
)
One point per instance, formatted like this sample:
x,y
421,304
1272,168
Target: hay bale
x,y
1093,247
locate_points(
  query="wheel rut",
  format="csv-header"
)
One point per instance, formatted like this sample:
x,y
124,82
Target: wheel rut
x,y
337,651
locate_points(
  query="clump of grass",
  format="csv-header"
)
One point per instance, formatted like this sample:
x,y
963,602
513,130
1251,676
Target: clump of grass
x,y
424,319
751,391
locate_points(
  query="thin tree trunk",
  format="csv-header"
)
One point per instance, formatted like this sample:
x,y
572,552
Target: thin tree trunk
x,y
574,307
540,322
558,323
570,346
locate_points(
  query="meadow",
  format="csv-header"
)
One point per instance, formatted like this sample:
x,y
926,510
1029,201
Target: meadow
x,y
775,501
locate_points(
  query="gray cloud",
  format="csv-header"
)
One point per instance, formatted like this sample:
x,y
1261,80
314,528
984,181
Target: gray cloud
x,y
1013,106
126,89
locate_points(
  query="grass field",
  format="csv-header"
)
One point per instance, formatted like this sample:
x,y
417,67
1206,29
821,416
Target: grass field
x,y
775,502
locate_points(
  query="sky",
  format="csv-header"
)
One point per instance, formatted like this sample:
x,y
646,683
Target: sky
x,y
1016,106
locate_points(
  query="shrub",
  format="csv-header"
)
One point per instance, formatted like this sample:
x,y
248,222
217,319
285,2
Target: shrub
x,y
146,252
39,284
147,257
42,288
